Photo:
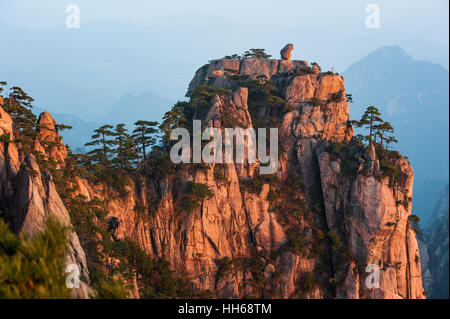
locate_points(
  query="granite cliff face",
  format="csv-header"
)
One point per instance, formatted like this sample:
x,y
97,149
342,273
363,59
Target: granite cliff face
x,y
28,195
365,211
308,231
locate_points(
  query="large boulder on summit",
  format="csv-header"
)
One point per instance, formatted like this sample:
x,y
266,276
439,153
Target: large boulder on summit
x,y
286,52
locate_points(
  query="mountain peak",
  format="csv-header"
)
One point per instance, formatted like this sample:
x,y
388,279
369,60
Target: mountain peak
x,y
391,52
391,49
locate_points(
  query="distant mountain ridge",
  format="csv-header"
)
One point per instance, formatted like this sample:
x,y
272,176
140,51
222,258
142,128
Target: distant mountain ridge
x,y
129,109
434,250
145,106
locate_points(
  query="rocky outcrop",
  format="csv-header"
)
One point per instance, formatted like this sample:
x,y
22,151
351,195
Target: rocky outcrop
x,y
49,142
364,212
308,231
9,156
286,52
219,73
35,200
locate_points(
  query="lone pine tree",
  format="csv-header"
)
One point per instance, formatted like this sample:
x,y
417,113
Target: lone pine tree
x,y
369,121
144,136
125,151
382,131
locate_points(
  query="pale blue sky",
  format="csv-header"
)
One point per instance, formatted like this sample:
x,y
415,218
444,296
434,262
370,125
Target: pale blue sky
x,y
420,27
177,37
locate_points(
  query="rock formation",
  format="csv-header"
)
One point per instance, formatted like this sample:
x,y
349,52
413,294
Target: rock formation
x,y
309,231
286,52
239,223
28,195
49,134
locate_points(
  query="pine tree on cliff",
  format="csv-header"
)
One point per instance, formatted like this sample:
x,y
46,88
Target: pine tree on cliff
x,y
144,135
313,64
102,138
390,140
369,121
62,127
171,120
349,98
125,151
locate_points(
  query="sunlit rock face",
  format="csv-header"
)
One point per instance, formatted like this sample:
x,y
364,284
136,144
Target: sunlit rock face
x,y
28,196
236,222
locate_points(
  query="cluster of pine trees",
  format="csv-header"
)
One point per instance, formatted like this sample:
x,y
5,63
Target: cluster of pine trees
x,y
249,54
19,105
114,152
113,155
116,147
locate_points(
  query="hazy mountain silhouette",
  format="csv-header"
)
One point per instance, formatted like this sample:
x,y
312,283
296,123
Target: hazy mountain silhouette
x,y
86,71
414,97
131,108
